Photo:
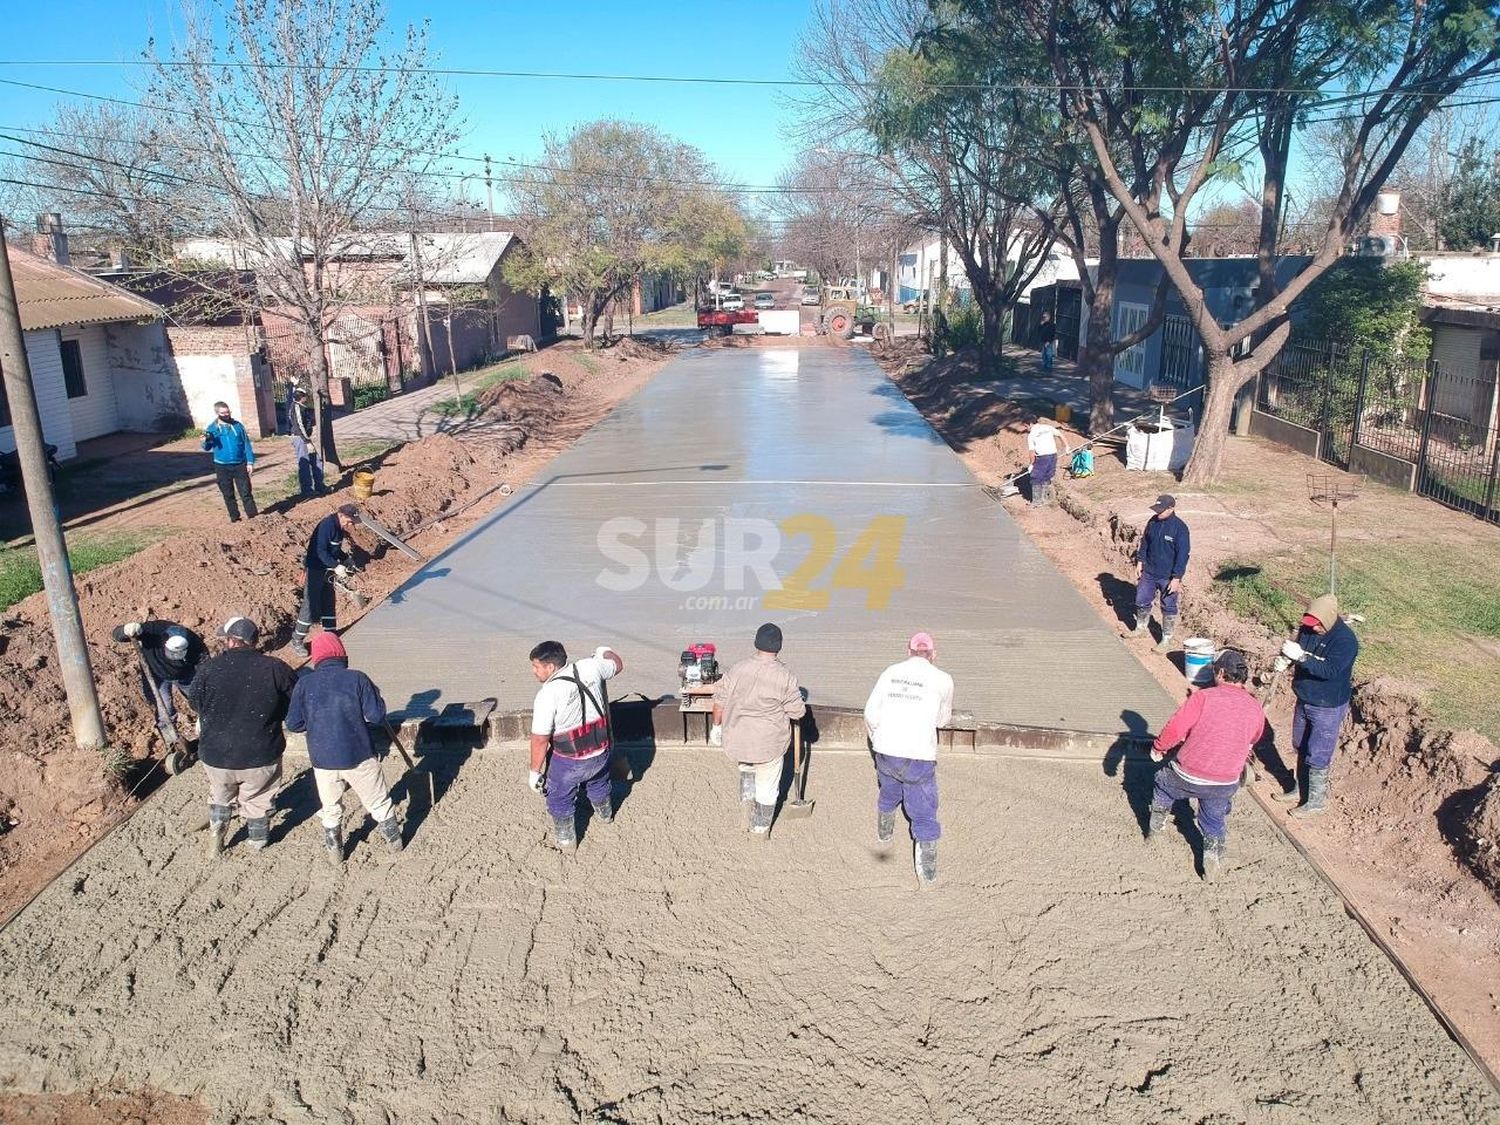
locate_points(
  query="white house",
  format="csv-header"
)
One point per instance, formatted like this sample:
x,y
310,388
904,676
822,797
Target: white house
x,y
919,265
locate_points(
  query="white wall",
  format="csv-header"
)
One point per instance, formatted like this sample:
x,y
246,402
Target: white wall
x,y
94,413
207,379
148,393
51,397
1462,275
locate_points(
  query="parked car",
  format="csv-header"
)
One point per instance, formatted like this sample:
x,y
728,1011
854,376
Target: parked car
x,y
765,300
811,297
731,302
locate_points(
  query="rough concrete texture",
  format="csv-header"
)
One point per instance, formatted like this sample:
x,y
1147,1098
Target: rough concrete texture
x,y
674,971
816,442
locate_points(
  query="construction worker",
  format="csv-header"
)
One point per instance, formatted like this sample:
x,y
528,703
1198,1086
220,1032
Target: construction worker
x,y
1161,560
309,468
234,460
1322,659
1042,442
1217,729
171,654
753,704
570,723
327,555
909,702
336,705
241,697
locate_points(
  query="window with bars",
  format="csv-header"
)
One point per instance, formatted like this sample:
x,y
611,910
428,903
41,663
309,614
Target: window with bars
x,y
1130,365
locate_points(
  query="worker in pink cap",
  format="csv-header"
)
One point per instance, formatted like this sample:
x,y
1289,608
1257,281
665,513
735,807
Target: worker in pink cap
x,y
336,705
910,701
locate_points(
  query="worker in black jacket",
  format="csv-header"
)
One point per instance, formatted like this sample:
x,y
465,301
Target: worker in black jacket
x,y
301,422
326,551
1161,560
171,654
241,697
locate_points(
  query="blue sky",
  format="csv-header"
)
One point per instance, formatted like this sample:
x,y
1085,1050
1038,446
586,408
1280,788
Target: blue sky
x,y
740,128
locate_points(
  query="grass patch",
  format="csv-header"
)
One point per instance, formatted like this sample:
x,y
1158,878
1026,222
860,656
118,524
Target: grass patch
x,y
502,374
21,573
1250,593
366,449
465,405
587,362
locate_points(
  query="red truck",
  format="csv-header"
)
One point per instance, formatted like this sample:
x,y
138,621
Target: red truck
x,y
723,321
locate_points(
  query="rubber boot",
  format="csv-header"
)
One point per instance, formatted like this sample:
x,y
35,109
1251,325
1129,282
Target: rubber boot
x,y
747,797
219,817
565,834
1157,825
1317,794
1213,857
333,845
259,828
885,826
1292,796
604,812
1142,623
760,821
390,832
1168,627
926,862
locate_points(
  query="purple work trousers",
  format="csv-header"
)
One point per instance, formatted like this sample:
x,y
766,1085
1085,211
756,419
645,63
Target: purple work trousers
x,y
1214,801
1146,589
1044,468
565,776
911,783
1315,732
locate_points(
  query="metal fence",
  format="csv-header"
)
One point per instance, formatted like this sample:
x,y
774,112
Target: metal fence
x,y
1441,423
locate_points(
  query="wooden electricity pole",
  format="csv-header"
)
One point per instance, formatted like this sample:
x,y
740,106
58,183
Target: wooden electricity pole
x,y
52,552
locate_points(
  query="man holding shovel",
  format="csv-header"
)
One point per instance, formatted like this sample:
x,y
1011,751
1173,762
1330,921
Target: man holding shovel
x,y
753,704
1322,659
327,558
570,724
336,705
910,701
169,658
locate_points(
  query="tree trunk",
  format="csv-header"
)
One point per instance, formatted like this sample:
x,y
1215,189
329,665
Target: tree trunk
x,y
993,317
588,316
458,388
322,418
1213,428
1098,362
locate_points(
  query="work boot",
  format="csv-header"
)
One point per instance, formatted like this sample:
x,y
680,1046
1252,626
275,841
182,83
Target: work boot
x,y
1157,824
390,832
760,821
1317,794
1213,856
1292,796
299,647
885,826
604,812
1142,623
333,845
926,862
565,834
219,817
1168,627
259,828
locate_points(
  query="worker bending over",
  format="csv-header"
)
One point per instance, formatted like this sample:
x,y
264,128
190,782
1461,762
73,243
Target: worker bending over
x,y
327,554
171,654
570,724
910,701
753,704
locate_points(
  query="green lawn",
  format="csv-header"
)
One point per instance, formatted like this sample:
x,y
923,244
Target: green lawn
x,y
21,574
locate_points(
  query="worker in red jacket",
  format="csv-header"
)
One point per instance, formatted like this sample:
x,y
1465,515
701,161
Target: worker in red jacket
x,y
1217,728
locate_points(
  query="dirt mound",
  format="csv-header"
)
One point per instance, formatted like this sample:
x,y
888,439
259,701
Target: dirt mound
x,y
643,347
536,399
1478,833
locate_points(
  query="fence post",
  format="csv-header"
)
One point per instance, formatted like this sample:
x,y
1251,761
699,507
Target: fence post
x,y
1359,399
1325,418
1426,407
1489,513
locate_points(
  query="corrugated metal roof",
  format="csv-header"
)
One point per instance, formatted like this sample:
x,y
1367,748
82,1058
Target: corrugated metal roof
x,y
54,296
461,259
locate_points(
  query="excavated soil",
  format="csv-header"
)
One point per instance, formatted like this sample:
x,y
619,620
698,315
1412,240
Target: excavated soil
x,y
55,799
674,971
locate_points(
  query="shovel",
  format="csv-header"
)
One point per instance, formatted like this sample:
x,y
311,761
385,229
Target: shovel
x,y
181,753
359,600
797,806
411,767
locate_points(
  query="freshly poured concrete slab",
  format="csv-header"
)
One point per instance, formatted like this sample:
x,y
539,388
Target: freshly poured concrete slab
x,y
735,472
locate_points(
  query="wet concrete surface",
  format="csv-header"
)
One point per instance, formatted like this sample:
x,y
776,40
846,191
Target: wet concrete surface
x,y
731,474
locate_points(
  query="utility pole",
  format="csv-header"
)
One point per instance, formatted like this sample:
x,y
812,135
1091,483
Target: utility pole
x,y
489,191
51,550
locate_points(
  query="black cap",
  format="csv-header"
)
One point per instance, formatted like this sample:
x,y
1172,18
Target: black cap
x,y
1163,502
768,638
350,510
240,628
1231,662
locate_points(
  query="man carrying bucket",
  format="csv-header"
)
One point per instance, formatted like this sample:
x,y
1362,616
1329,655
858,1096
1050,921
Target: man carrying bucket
x,y
1218,728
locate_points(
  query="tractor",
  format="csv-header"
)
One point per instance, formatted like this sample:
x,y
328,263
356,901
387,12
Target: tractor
x,y
842,315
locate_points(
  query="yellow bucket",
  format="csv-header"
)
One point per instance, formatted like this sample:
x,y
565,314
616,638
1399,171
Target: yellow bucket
x,y
364,484
1063,413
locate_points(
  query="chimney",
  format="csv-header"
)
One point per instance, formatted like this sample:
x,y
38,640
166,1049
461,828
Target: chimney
x,y
1385,219
122,260
50,240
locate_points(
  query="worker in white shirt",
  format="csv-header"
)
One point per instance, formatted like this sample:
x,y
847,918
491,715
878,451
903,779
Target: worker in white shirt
x,y
570,722
910,701
1042,442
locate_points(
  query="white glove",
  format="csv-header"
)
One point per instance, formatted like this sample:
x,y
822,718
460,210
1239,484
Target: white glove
x,y
1281,664
716,735
132,629
536,781
1158,755
1293,651
341,570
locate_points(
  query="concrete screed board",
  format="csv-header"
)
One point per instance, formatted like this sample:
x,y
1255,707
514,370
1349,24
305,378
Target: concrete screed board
x,y
642,535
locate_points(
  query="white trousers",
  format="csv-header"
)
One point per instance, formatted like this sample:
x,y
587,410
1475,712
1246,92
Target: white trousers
x,y
368,784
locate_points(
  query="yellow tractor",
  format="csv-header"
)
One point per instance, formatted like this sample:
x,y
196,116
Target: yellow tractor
x,y
842,315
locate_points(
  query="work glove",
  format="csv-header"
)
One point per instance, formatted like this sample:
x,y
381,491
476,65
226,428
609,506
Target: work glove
x,y
341,570
1281,664
1158,755
1293,651
716,735
537,781
132,629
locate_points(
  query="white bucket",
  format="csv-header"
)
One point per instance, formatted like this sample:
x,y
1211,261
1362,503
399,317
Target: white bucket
x,y
1198,660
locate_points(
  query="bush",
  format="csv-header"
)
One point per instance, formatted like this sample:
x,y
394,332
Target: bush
x,y
368,394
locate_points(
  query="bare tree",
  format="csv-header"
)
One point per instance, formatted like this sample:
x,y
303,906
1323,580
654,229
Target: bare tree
x,y
307,123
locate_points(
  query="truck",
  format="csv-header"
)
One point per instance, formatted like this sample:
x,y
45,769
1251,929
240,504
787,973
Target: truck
x,y
722,321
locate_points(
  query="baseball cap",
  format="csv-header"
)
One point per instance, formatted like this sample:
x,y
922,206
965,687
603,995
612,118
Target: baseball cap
x,y
1163,502
299,393
921,642
350,510
1233,664
176,644
240,628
